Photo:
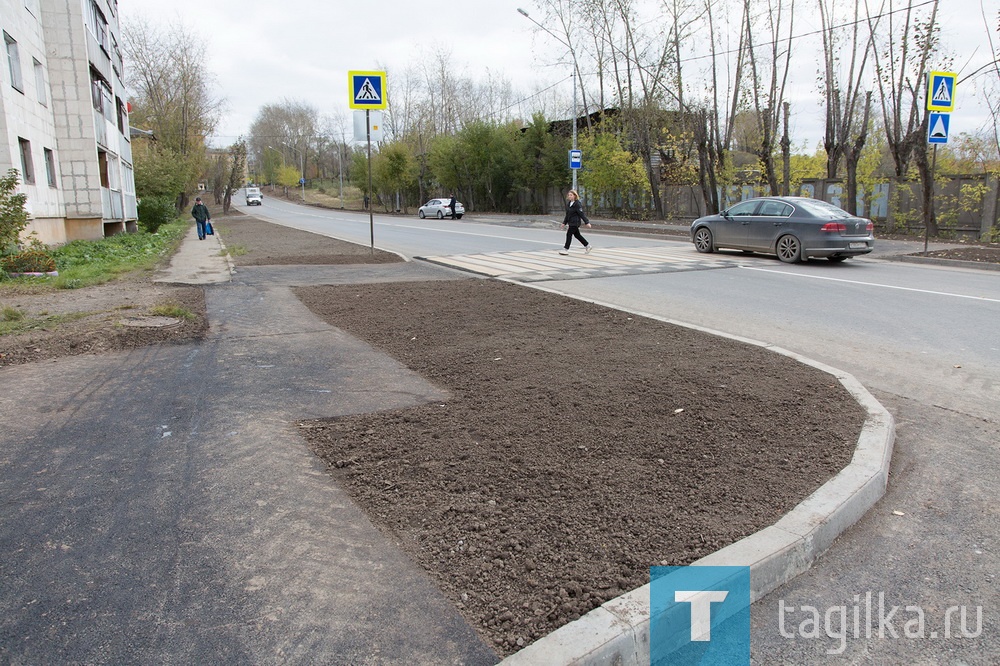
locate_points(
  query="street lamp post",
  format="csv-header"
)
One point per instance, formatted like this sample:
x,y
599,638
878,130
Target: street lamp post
x,y
573,54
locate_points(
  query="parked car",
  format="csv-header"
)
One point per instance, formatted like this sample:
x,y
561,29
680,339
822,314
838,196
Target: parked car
x,y
254,197
794,228
439,208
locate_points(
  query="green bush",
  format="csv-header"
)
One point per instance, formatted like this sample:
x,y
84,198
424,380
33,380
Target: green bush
x,y
29,261
154,212
13,215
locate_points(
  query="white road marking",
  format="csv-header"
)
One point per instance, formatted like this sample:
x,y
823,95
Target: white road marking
x,y
874,284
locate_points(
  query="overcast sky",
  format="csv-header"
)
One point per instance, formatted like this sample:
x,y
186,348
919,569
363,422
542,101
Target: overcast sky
x,y
263,51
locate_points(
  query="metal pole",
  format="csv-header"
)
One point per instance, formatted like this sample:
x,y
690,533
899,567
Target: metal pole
x,y
927,217
340,165
371,201
302,171
574,122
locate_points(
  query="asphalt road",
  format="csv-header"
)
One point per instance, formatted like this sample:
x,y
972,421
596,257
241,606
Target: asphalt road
x,y
923,339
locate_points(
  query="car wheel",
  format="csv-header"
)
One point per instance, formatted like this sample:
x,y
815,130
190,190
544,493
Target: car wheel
x,y
789,249
420,214
458,217
703,240
440,215
837,260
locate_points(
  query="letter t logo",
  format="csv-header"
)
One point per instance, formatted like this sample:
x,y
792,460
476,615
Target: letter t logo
x,y
701,610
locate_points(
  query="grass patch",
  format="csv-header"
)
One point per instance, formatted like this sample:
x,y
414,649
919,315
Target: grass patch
x,y
85,263
172,310
235,250
11,314
9,327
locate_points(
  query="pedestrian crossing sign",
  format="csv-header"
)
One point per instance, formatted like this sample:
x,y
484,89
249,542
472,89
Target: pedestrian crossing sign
x,y
941,91
367,90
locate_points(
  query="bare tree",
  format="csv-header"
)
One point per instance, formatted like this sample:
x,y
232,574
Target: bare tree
x,y
847,117
237,168
171,92
768,91
289,128
901,59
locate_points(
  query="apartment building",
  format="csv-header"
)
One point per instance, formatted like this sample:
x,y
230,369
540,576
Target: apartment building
x,y
63,117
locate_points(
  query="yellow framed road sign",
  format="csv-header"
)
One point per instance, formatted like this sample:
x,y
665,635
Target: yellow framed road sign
x,y
941,91
366,89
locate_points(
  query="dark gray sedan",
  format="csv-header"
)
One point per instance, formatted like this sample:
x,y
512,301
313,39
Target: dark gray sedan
x,y
794,228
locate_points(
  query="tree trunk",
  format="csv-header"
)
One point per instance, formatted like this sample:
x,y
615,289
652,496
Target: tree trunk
x,y
926,171
786,156
852,155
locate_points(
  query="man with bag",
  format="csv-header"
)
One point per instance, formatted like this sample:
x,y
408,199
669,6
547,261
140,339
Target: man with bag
x,y
202,218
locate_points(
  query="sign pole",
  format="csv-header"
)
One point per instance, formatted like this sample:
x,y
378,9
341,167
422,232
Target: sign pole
x,y
371,200
927,227
367,91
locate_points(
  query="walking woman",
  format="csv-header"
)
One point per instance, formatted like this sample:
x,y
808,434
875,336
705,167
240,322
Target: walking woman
x,y
574,218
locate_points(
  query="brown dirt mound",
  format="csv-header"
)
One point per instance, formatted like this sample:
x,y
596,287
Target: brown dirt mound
x,y
253,242
581,444
977,253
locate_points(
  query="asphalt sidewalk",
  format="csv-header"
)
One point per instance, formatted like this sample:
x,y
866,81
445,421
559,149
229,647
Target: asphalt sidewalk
x,y
161,506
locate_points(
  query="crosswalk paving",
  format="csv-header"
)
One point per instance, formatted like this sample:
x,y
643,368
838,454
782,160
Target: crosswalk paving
x,y
545,265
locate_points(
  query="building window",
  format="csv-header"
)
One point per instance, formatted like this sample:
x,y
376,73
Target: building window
x,y
40,83
102,163
101,96
13,62
128,178
27,167
122,117
99,26
50,166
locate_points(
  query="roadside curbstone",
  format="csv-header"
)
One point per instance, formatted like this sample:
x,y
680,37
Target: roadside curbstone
x,y
618,632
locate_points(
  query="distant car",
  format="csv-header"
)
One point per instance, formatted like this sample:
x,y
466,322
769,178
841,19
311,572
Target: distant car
x,y
254,197
439,208
794,228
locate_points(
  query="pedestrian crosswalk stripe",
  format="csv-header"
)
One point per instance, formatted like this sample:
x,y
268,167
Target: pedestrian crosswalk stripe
x,y
543,265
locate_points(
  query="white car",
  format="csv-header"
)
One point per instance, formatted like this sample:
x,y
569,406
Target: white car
x,y
439,208
254,197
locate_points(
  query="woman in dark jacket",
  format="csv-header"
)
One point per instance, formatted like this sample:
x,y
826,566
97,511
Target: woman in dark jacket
x,y
574,218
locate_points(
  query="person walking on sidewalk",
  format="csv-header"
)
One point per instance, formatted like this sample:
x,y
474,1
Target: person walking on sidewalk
x,y
571,223
201,217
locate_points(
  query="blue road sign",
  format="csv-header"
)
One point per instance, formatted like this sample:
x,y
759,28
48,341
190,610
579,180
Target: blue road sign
x,y
937,127
576,159
367,90
941,91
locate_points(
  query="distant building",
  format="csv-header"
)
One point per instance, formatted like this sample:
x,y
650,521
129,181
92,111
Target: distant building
x,y
63,117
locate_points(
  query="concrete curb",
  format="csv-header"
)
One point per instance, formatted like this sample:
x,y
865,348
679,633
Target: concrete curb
x,y
228,257
618,632
940,261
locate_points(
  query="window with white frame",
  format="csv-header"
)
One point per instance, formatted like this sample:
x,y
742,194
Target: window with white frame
x,y
128,178
99,26
27,166
114,175
43,98
13,62
50,166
